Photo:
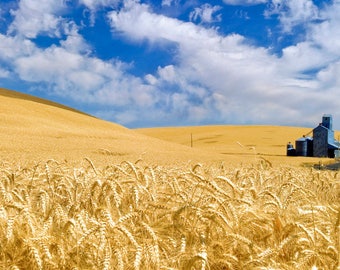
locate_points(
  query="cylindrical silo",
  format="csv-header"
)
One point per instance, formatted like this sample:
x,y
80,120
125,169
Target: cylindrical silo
x,y
290,150
301,147
309,146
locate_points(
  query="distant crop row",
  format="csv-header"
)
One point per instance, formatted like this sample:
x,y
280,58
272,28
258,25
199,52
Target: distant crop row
x,y
135,216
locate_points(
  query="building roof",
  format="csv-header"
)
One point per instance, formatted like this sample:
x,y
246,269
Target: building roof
x,y
335,145
320,126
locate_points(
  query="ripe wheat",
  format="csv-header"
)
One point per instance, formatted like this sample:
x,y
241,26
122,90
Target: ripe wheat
x,y
136,216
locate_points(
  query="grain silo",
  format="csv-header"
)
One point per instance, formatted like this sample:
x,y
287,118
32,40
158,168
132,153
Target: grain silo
x,y
304,146
290,150
322,144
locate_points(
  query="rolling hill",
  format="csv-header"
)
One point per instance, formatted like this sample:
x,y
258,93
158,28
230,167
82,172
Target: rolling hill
x,y
95,211
239,143
34,129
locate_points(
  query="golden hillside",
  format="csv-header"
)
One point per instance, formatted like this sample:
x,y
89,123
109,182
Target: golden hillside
x,y
165,212
36,129
238,143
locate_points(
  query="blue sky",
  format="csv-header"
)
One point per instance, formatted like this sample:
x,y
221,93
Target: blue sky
x,y
174,62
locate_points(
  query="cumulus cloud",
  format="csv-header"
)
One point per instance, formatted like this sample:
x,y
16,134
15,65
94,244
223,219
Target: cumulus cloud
x,y
319,49
56,65
137,22
211,65
76,43
329,77
229,74
69,70
326,33
216,78
14,47
34,17
71,74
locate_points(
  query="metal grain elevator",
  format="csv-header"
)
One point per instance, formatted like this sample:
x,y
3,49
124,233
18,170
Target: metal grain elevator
x,y
322,144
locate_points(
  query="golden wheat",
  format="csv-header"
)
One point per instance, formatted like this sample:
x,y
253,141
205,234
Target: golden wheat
x,y
138,216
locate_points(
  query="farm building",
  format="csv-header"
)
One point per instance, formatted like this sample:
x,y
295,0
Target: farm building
x,y
321,144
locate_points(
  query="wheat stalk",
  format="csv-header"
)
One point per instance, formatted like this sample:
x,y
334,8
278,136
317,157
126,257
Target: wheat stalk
x,y
131,216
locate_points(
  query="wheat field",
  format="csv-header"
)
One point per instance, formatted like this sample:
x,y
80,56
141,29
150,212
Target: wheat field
x,y
239,144
133,216
77,192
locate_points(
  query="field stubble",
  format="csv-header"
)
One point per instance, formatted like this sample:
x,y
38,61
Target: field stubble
x,y
140,216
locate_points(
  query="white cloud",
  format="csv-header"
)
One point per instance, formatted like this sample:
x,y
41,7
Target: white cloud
x,y
69,73
150,79
96,4
245,2
46,65
329,77
66,69
34,17
304,56
293,12
75,43
326,34
230,75
216,78
167,73
205,14
14,47
137,22
319,50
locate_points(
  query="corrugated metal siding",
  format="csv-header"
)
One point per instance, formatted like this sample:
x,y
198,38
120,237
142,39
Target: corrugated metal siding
x,y
320,141
301,147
